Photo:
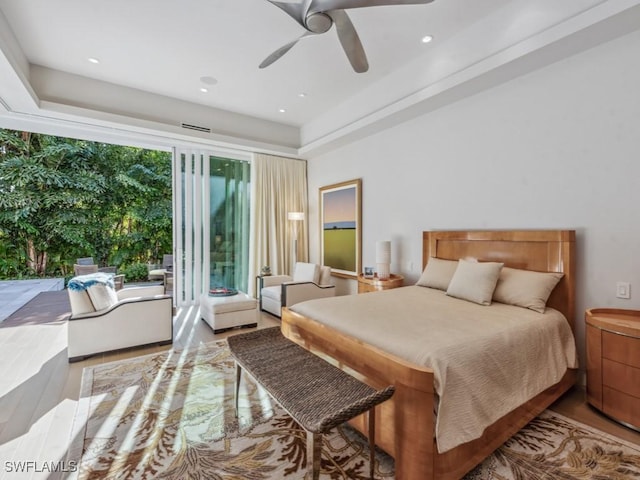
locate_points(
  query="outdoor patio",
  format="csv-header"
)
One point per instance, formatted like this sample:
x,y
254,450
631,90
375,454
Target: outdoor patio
x,y
15,293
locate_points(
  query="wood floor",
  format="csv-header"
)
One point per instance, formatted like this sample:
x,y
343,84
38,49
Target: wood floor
x,y
39,389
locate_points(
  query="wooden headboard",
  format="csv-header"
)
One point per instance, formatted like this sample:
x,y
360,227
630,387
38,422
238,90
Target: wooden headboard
x,y
539,250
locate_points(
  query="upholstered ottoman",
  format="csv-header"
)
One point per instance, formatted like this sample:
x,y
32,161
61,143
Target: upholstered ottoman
x,y
223,313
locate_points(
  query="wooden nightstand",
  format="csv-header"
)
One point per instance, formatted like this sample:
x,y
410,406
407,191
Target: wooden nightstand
x,y
375,284
613,363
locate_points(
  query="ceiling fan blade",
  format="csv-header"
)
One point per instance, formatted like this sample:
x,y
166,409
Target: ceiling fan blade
x,y
306,5
326,5
297,11
281,51
350,41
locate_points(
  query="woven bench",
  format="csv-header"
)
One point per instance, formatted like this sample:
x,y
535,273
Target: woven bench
x,y
317,395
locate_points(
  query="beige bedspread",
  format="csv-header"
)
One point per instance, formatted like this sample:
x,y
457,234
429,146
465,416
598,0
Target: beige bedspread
x,y
487,360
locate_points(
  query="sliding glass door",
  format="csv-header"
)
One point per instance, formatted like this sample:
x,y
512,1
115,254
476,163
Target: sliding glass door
x,y
211,222
229,222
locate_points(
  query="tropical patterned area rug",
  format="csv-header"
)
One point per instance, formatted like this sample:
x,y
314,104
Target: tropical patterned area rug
x,y
171,416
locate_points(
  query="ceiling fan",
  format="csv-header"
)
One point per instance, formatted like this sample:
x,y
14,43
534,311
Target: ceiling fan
x,y
317,16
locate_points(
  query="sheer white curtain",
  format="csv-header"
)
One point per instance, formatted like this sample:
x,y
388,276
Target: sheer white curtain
x,y
279,186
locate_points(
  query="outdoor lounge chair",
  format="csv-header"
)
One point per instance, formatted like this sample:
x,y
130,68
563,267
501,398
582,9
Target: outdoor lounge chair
x,y
84,269
85,261
167,266
88,262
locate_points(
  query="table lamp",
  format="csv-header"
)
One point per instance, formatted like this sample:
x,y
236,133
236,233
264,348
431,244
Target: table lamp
x,y
383,259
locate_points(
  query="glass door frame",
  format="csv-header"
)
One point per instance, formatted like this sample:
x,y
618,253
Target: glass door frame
x,y
191,220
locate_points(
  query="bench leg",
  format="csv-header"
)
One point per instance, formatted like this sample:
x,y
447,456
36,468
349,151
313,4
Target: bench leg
x,y
237,386
314,451
372,441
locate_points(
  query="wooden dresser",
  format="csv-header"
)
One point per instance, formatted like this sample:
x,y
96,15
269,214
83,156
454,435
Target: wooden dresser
x,y
613,363
375,284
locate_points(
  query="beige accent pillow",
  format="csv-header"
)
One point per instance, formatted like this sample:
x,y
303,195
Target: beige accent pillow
x,y
437,273
325,276
306,272
525,288
80,302
475,281
102,296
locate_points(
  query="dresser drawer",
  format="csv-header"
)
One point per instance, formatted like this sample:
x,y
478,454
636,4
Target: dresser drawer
x,y
621,348
613,363
621,406
621,377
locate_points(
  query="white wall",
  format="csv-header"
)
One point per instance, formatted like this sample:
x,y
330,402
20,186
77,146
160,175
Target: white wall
x,y
558,148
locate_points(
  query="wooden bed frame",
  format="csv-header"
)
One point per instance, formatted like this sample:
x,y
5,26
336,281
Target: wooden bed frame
x,y
406,426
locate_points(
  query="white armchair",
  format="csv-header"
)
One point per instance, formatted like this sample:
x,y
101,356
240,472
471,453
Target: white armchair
x,y
309,281
103,319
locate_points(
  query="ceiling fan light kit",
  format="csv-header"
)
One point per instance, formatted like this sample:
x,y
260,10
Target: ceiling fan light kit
x,y
318,22
318,16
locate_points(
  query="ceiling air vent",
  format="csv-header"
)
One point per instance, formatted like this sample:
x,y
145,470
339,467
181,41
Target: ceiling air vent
x,y
196,127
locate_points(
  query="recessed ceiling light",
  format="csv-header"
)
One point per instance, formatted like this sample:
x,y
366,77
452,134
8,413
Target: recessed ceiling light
x,y
302,94
282,110
93,60
204,90
427,38
208,80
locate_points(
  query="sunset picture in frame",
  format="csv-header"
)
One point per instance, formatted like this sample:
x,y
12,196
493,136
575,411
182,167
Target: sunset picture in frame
x,y
340,225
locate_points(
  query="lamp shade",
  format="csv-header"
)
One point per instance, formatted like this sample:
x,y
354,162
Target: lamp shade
x,y
295,216
383,259
383,252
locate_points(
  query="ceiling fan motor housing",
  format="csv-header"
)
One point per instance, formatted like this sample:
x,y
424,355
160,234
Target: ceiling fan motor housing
x,y
318,22
318,16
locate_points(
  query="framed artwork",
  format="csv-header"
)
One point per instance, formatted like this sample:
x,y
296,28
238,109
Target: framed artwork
x,y
341,228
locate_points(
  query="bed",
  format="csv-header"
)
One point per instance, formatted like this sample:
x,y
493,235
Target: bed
x,y
408,425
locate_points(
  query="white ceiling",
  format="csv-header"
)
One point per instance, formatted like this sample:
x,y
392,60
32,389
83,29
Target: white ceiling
x,y
153,54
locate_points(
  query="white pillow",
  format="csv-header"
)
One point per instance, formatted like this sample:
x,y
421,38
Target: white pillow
x,y
306,272
525,288
475,281
80,302
102,296
437,273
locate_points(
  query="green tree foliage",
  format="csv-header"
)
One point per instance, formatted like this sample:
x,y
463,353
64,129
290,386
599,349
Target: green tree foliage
x,y
64,198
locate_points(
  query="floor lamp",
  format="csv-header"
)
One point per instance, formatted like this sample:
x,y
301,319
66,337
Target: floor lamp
x,y
295,217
